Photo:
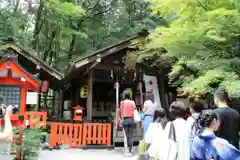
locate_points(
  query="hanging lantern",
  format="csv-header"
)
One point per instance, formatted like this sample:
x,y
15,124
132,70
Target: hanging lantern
x,y
45,86
84,91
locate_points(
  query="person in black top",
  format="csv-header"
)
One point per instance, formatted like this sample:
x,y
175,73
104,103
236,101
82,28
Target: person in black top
x,y
229,118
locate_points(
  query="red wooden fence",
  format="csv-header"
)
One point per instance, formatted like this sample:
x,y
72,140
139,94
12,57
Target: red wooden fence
x,y
80,135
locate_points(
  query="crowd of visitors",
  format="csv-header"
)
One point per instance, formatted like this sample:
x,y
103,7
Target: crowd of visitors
x,y
205,135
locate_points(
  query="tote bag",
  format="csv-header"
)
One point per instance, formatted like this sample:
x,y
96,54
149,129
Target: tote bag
x,y
170,149
137,117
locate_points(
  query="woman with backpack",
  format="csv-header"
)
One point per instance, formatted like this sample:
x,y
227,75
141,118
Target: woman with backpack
x,y
207,146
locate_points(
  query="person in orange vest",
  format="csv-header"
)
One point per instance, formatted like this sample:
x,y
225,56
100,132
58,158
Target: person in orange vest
x,y
127,107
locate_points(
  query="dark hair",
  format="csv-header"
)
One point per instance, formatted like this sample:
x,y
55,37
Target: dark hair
x,y
207,116
149,96
159,113
197,106
127,94
177,109
221,94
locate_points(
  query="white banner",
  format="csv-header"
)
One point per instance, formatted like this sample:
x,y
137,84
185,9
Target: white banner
x,y
32,97
151,85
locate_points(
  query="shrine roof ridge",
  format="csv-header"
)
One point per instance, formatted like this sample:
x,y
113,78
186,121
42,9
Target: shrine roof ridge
x,y
109,49
26,52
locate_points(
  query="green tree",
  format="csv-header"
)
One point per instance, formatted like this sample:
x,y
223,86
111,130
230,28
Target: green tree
x,y
61,30
201,43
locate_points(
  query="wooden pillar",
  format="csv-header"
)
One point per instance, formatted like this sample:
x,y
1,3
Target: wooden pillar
x,y
117,96
53,105
23,99
39,100
89,98
117,103
77,96
60,110
39,92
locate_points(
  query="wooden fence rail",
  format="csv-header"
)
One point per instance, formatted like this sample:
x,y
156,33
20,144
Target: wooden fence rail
x,y
80,135
97,133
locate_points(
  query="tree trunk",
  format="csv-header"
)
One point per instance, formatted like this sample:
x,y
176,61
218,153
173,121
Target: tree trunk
x,y
49,48
72,46
16,7
38,25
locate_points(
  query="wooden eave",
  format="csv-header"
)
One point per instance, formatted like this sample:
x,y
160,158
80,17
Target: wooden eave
x,y
91,57
26,54
20,71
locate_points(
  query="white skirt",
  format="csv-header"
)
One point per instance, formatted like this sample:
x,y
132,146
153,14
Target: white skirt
x,y
6,157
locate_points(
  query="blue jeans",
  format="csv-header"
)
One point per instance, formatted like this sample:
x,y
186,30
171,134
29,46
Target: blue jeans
x,y
128,126
146,122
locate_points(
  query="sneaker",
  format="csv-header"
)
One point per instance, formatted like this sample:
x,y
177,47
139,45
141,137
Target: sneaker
x,y
130,155
126,154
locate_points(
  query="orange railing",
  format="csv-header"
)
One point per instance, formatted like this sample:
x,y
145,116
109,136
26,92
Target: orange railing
x,y
65,133
31,119
96,133
80,135
37,119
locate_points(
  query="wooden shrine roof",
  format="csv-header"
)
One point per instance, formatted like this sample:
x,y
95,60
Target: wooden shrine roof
x,y
17,71
28,54
109,50
80,63
30,62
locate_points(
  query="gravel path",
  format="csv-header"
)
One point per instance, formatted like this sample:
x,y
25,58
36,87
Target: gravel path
x,y
77,154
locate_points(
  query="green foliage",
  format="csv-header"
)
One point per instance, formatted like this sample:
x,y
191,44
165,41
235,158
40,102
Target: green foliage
x,y
202,38
64,8
61,30
31,145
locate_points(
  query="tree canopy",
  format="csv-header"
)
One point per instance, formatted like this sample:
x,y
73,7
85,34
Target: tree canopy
x,y
201,43
61,30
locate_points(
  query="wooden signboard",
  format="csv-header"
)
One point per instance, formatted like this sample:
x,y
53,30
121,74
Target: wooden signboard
x,y
131,60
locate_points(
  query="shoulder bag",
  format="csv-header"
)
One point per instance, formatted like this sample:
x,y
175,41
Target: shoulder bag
x,y
170,147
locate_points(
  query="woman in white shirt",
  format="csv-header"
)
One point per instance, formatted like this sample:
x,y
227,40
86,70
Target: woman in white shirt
x,y
177,111
155,132
149,108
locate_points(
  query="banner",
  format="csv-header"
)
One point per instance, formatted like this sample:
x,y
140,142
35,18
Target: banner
x,y
151,85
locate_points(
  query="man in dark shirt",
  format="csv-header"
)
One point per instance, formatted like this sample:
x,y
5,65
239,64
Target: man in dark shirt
x,y
228,129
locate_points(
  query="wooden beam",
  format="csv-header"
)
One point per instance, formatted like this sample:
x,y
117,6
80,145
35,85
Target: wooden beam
x,y
90,95
90,67
103,53
109,67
